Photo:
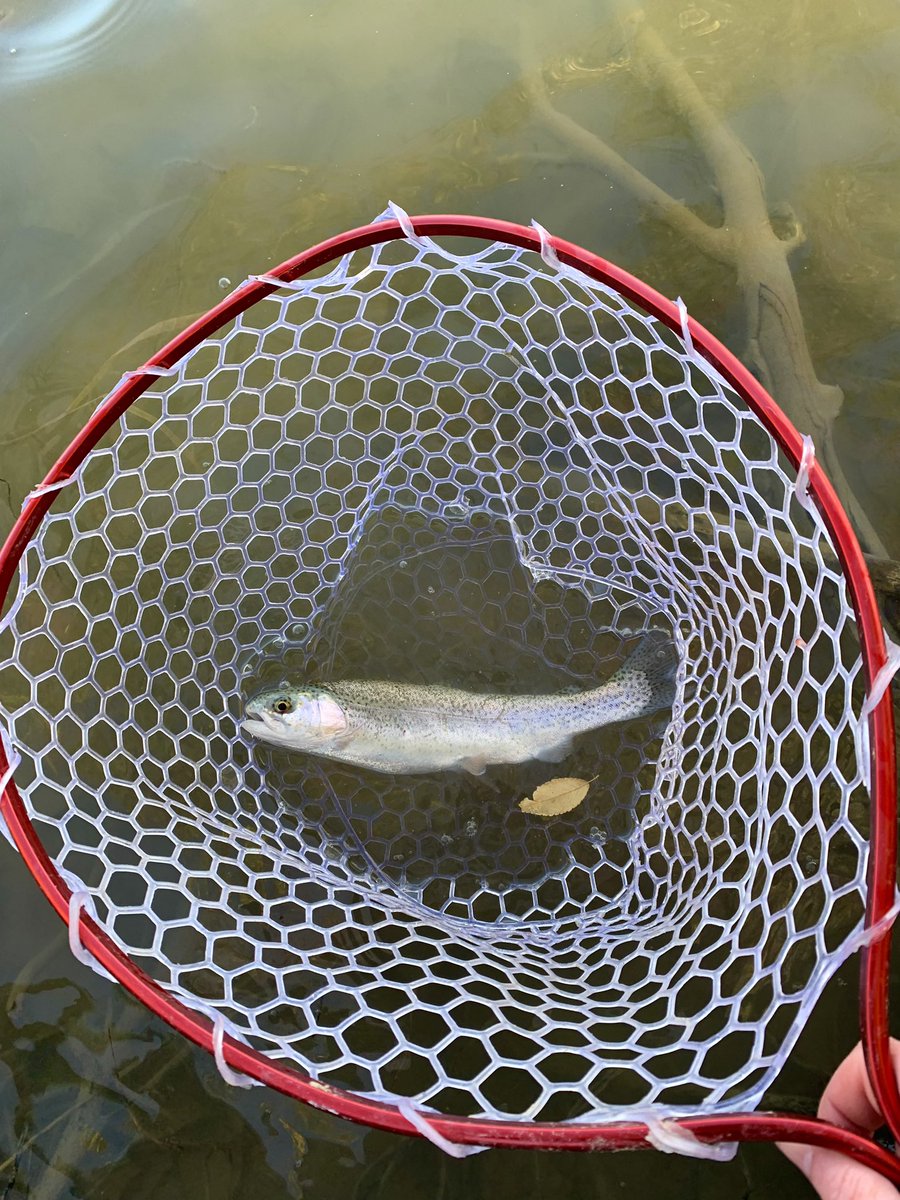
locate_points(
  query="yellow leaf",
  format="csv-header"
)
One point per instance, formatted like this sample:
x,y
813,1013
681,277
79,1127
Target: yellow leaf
x,y
556,796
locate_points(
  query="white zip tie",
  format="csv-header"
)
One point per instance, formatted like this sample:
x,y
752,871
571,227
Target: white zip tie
x,y
548,254
428,1131
78,900
862,754
874,933
685,329
401,216
342,270
44,489
551,257
155,372
672,1138
880,685
882,680
145,370
305,284
292,285
712,373
233,1078
801,484
13,758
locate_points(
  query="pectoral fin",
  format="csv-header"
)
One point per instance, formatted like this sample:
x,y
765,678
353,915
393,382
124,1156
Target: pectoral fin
x,y
474,765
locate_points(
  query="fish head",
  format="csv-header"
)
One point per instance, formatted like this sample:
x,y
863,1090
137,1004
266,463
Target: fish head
x,y
299,718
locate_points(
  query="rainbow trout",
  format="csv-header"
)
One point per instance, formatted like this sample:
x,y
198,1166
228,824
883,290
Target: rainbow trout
x,y
406,727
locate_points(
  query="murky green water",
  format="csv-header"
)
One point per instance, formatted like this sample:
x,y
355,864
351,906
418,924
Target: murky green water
x,y
155,154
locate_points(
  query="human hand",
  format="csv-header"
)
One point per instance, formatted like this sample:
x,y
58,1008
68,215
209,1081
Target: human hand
x,y
847,1101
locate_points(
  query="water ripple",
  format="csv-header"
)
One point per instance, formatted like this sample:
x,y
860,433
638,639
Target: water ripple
x,y
40,40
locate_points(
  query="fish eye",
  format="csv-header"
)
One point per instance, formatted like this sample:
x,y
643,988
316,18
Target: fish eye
x,y
283,705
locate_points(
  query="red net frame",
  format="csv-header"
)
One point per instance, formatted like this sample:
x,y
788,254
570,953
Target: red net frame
x,y
875,957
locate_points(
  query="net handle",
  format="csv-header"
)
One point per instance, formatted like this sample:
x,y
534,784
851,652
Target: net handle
x,y
883,857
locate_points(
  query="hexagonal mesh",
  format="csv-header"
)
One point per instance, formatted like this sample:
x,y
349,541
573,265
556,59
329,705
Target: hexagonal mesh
x,y
487,471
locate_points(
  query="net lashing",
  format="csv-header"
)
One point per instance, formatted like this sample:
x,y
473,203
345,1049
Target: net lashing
x,y
483,470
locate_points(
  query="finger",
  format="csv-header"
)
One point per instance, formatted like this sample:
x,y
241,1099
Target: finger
x,y
837,1177
848,1100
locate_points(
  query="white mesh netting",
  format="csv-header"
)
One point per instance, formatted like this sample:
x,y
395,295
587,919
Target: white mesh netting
x,y
492,472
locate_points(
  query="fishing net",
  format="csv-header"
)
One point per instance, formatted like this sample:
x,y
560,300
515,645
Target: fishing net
x,y
483,469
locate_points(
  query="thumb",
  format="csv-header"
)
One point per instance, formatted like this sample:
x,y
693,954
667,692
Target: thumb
x,y
848,1101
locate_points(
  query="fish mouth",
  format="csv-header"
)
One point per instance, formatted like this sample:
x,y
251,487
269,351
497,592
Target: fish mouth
x,y
256,727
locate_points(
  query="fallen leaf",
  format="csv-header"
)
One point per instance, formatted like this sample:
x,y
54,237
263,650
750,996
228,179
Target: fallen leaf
x,y
556,796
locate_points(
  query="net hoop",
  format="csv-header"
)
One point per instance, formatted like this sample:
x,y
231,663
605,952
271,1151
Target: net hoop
x,y
875,958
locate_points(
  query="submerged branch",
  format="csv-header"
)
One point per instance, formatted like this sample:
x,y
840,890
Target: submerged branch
x,y
594,150
777,349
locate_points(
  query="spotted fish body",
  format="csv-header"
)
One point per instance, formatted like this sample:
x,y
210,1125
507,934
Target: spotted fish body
x,y
407,728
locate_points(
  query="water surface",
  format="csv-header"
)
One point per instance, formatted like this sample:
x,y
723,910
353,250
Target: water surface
x,y
156,154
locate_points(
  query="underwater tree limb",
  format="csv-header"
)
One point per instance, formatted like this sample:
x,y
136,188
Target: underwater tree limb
x,y
777,349
87,1092
598,152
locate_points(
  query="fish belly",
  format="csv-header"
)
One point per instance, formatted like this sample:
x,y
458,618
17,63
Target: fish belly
x,y
442,748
